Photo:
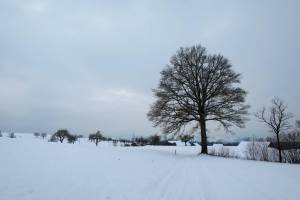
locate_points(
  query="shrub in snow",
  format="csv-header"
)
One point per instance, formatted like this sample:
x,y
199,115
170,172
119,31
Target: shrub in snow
x,y
0,134
222,151
96,137
124,142
186,138
140,141
133,144
291,156
257,151
72,138
12,135
290,147
212,151
44,135
154,140
37,134
273,155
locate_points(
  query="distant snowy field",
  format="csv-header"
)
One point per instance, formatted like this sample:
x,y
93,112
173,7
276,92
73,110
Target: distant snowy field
x,y
34,169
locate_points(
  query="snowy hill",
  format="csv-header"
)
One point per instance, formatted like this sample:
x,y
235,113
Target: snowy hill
x,y
32,168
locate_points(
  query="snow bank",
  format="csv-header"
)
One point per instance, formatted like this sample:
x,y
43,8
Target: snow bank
x,y
33,169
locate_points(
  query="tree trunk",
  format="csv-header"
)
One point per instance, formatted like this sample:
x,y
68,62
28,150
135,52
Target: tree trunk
x,y
279,147
203,136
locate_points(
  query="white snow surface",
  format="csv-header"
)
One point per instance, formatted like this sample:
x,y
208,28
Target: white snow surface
x,y
34,169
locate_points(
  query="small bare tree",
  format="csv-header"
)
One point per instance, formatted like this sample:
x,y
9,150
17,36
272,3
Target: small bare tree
x,y
96,137
62,134
277,119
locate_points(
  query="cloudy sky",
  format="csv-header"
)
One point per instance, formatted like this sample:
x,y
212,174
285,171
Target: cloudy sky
x,y
88,65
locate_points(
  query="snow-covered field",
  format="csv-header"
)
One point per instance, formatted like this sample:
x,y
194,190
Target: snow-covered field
x,y
34,169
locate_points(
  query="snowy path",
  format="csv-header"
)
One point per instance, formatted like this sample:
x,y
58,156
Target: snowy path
x,y
33,169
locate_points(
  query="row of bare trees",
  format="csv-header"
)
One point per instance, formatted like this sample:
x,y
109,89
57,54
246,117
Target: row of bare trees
x,y
63,134
10,135
42,135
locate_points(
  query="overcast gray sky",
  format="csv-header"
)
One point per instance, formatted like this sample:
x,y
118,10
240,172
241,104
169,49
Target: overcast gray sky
x,y
88,65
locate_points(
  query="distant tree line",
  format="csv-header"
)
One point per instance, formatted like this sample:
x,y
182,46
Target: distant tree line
x,y
42,135
10,135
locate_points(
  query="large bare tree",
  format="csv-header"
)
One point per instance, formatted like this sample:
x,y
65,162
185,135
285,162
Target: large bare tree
x,y
277,119
196,88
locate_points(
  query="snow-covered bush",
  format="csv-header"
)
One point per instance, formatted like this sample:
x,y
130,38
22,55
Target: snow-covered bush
x,y
140,141
212,151
273,155
222,151
257,151
0,134
291,156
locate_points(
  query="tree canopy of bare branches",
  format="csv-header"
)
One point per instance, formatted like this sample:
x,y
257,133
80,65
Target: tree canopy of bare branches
x,y
96,137
62,134
195,88
277,119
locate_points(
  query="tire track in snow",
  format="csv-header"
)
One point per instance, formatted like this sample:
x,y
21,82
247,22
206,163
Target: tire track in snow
x,y
180,179
161,186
